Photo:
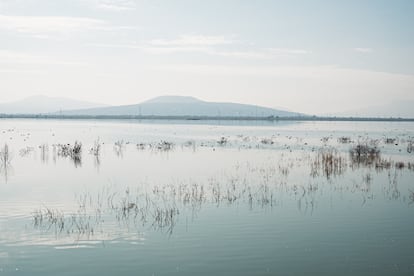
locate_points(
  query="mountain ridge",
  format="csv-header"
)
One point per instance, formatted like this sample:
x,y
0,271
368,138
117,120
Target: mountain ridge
x,y
183,106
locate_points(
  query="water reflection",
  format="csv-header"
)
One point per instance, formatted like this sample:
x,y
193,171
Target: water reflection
x,y
119,148
44,153
74,152
257,187
5,161
303,173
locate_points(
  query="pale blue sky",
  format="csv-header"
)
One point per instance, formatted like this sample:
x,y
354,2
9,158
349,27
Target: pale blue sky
x,y
308,56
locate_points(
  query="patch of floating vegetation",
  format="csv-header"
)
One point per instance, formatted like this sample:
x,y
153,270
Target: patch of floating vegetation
x,y
68,150
162,146
366,154
344,140
26,151
223,141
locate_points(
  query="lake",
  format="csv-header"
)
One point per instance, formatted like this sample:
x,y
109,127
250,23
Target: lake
x,y
105,197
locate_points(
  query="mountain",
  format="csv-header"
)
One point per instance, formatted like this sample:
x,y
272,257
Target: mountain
x,y
43,104
397,109
183,106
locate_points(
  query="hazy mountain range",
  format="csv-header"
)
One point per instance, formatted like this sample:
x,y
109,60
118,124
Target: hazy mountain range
x,y
160,106
181,106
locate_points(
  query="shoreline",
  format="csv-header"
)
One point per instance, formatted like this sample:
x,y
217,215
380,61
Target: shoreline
x,y
203,118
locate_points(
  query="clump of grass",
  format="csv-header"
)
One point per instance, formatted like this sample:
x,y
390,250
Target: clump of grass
x,y
344,140
411,197
73,151
329,162
66,150
325,139
367,178
5,159
164,146
119,148
26,151
365,154
388,140
49,218
410,146
382,164
267,141
96,148
399,165
5,155
222,141
44,152
141,146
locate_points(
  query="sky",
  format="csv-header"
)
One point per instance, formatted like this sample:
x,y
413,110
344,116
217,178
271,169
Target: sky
x,y
315,57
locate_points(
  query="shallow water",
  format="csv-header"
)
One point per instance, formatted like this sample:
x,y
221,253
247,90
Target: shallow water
x,y
215,198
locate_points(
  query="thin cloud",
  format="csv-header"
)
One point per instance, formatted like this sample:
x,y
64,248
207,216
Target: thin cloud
x,y
116,5
194,40
217,46
43,26
267,53
164,47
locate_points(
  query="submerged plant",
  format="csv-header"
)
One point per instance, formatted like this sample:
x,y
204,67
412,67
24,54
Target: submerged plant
x,y
329,162
5,155
96,148
365,154
344,140
73,151
410,146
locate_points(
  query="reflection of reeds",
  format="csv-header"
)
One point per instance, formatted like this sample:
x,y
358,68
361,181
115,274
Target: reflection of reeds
x,y
96,148
410,146
164,146
5,155
344,140
328,162
388,140
73,151
365,154
5,159
411,197
25,151
119,148
44,152
222,141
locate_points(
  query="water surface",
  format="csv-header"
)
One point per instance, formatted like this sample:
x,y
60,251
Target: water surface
x,y
211,198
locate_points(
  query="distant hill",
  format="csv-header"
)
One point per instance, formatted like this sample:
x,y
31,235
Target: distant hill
x,y
44,104
398,109
183,106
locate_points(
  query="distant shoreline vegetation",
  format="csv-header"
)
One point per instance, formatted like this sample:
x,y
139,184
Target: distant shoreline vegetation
x,y
204,118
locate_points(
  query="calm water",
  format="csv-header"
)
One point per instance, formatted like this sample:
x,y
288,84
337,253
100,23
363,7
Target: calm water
x,y
181,198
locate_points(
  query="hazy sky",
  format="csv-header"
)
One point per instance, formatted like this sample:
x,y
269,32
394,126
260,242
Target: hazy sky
x,y
307,56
